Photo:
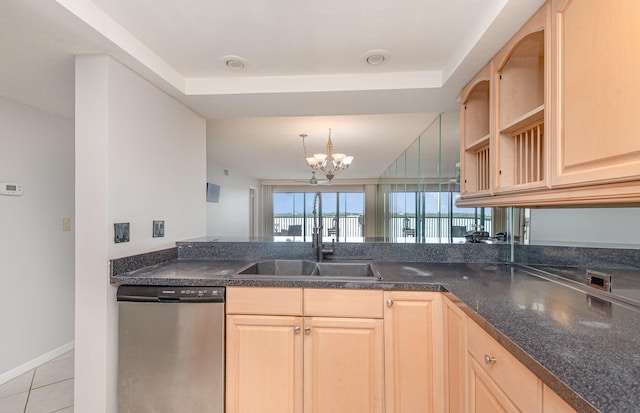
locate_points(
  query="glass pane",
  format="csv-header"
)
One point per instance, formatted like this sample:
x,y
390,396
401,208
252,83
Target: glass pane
x,y
288,216
402,217
351,220
342,216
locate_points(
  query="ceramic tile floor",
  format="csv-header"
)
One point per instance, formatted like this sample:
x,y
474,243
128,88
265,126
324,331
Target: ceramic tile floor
x,y
45,389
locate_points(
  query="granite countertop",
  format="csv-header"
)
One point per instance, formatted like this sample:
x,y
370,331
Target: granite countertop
x,y
584,348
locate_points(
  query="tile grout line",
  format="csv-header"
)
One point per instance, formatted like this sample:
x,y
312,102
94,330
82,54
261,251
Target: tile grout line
x,y
29,393
49,384
31,383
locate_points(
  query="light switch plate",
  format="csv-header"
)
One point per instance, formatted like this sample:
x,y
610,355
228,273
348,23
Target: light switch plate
x,y
66,224
121,231
158,229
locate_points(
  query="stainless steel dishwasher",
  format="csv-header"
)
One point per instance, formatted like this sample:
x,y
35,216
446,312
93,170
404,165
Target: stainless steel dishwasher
x,y
170,349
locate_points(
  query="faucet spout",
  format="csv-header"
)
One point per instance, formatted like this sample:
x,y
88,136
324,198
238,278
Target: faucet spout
x,y
316,242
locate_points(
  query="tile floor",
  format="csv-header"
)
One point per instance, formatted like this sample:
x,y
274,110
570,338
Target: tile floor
x,y
45,389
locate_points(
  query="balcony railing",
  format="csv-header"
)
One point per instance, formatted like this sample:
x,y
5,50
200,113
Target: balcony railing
x,y
400,229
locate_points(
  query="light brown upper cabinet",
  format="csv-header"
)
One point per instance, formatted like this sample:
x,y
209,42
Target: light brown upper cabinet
x,y
475,129
596,49
520,84
503,118
563,99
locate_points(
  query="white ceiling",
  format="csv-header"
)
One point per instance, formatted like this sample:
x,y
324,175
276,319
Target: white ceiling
x,y
305,66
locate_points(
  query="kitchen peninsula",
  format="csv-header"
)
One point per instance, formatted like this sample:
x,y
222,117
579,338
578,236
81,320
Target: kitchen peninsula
x,y
572,341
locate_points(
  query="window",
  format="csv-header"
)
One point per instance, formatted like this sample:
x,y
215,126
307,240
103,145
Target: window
x,y
342,216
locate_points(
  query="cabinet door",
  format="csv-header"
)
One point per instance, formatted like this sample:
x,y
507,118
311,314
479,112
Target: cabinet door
x,y
455,357
484,395
413,349
264,364
552,403
596,55
476,172
343,366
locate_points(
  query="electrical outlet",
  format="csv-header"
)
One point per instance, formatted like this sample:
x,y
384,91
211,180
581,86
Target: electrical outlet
x,y
66,224
158,229
121,231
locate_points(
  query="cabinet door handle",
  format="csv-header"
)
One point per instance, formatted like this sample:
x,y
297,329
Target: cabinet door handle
x,y
296,330
389,302
307,330
488,360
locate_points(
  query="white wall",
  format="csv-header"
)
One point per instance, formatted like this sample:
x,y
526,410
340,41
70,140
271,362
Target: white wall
x,y
229,217
140,156
586,227
36,256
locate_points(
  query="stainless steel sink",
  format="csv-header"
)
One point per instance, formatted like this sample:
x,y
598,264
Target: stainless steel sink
x,y
280,268
334,270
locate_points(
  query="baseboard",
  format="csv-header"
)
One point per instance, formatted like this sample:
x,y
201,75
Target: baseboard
x,y
38,361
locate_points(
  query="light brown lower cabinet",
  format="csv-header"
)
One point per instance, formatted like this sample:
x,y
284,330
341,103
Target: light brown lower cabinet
x,y
413,345
366,351
343,365
552,403
310,364
264,364
493,368
485,396
455,357
482,376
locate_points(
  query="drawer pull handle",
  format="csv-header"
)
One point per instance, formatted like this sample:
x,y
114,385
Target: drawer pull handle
x,y
296,330
488,360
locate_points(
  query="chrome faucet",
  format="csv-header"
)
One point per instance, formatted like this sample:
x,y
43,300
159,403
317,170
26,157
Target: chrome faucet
x,y
316,241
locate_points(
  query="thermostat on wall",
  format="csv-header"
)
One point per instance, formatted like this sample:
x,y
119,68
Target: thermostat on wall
x,y
7,188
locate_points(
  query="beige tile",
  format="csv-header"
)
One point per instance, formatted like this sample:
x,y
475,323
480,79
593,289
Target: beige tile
x,y
53,372
20,384
67,410
14,404
51,398
68,354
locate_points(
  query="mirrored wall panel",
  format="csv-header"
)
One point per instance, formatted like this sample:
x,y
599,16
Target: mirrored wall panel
x,y
417,193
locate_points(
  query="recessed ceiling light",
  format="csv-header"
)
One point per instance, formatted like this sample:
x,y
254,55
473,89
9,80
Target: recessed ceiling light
x,y
376,57
234,62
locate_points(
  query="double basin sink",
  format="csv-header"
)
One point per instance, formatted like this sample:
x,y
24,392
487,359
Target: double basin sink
x,y
326,270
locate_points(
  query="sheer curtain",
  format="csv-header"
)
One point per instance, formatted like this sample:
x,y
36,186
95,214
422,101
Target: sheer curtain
x,y
265,212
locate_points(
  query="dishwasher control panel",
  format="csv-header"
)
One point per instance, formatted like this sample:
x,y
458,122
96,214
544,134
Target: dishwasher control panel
x,y
140,293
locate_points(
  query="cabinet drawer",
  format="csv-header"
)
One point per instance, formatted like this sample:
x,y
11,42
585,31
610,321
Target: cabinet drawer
x,y
264,301
519,384
343,303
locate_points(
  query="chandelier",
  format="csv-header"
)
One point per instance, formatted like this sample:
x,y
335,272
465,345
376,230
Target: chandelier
x,y
329,163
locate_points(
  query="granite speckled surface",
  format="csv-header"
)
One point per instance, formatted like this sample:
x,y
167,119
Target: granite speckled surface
x,y
577,256
585,349
135,262
204,249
